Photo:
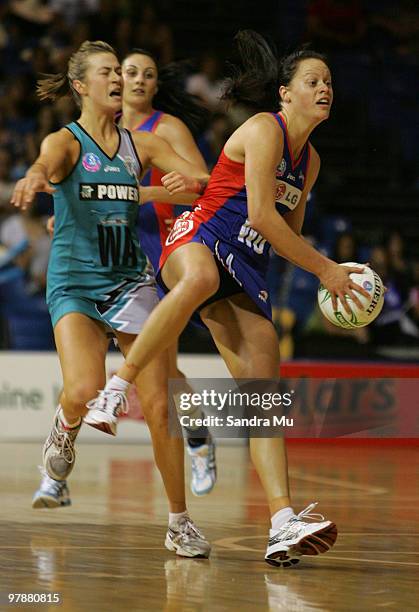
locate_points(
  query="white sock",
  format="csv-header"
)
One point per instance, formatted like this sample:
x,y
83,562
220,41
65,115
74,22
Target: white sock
x,y
281,517
65,422
175,516
117,384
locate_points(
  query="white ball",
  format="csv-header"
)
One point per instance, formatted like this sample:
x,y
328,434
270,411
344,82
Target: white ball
x,y
370,281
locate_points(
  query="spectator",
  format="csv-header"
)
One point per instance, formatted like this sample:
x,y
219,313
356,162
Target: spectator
x,y
155,35
206,84
345,248
6,182
29,230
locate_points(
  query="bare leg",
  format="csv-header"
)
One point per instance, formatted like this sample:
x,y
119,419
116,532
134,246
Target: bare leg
x,y
151,386
248,343
81,345
191,274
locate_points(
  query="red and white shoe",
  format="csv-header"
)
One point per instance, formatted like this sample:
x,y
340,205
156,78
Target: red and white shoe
x,y
298,537
105,409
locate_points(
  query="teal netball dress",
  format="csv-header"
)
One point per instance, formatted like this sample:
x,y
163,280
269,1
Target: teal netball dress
x,y
96,265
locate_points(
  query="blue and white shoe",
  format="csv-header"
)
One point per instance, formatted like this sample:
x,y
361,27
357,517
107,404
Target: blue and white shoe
x,y
51,493
204,470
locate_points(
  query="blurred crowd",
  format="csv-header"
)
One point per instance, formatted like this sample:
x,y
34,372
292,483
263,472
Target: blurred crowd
x,y
373,48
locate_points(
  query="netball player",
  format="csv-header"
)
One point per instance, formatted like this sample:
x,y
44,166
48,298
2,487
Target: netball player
x,y
147,94
216,257
97,276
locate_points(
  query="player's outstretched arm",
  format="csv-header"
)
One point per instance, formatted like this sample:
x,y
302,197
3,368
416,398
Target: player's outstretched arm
x,y
183,176
161,194
55,151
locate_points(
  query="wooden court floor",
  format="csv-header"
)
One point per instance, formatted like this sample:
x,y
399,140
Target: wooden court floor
x,y
106,553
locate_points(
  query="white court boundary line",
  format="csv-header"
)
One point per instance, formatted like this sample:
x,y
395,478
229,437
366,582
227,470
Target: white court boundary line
x,y
338,482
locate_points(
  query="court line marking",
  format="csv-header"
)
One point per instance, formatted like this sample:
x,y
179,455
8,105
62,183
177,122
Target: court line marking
x,y
374,560
338,482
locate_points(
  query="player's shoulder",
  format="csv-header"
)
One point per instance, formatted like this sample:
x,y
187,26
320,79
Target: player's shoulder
x,y
59,140
61,136
263,122
171,126
262,127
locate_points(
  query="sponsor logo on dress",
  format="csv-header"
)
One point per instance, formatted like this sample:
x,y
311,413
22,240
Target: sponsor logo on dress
x,y
86,192
112,169
105,192
290,176
182,226
287,194
91,162
280,190
280,171
301,176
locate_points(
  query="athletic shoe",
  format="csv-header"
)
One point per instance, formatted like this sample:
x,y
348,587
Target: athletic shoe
x,y
59,452
204,471
51,493
298,537
105,409
186,540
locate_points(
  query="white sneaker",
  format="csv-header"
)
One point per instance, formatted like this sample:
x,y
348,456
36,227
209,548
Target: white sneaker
x,y
184,538
51,493
204,471
298,537
105,409
59,453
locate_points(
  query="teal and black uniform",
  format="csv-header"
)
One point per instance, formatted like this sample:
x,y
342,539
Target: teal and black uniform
x,y
96,265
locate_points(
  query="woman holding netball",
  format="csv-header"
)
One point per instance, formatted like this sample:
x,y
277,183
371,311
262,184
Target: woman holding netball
x,y
216,256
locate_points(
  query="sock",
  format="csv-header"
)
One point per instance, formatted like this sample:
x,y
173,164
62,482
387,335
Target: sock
x,y
64,421
117,384
281,517
175,516
195,442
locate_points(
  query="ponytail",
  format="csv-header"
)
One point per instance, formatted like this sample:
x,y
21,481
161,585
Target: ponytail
x,y
52,86
255,80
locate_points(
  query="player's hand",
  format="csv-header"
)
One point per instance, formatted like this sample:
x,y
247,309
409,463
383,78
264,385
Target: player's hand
x,y
50,225
175,182
337,281
25,189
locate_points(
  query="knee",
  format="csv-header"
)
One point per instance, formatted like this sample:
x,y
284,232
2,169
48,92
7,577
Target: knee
x,y
203,283
79,394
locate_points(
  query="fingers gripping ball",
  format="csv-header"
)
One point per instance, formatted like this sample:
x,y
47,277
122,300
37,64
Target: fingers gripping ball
x,y
370,281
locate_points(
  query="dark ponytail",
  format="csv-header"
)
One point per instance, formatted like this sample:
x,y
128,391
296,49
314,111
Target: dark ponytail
x,y
172,96
255,79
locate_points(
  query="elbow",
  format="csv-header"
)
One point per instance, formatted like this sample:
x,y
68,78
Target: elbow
x,y
258,222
